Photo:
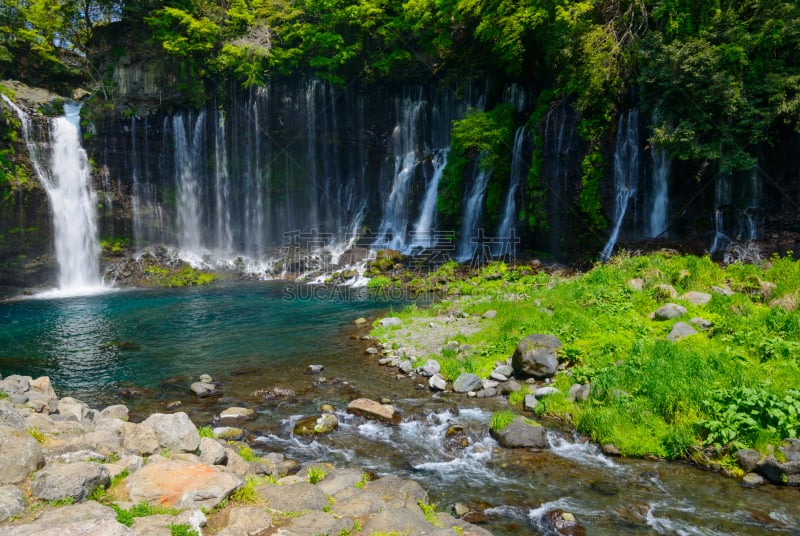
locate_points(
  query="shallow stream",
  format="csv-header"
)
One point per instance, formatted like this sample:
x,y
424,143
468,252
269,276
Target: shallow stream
x,y
144,348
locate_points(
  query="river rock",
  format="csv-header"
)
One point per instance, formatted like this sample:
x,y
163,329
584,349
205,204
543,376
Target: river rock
x,y
579,392
371,351
522,433
563,523
752,480
228,433
790,448
314,523
293,497
85,519
234,463
11,501
681,330
204,389
182,484
69,480
316,424
206,378
430,368
41,396
72,409
496,376
356,502
398,521
722,291
697,298
19,455
16,387
397,492
173,431
701,323
315,369
212,452
246,521
338,480
437,383
406,366
466,382
374,410
748,459
360,321
530,402
535,356
542,392
670,311
118,411
390,321
11,418
509,387
491,313
781,473
236,414
278,465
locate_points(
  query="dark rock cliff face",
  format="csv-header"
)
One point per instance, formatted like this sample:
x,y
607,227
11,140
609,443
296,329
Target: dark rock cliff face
x,y
242,173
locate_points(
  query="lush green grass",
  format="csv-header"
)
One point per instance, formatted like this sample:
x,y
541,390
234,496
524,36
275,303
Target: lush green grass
x,y
731,386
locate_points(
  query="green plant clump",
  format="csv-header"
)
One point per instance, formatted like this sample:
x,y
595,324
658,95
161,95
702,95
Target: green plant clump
x,y
501,419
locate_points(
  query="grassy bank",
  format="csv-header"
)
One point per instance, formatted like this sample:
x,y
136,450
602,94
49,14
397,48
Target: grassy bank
x,y
733,385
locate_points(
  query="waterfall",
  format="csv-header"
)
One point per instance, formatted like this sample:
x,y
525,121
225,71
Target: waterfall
x,y
752,209
519,169
224,238
659,201
469,244
405,146
626,173
722,200
188,158
73,201
423,228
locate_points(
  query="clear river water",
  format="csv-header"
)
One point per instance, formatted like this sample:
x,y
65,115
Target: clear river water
x,y
145,347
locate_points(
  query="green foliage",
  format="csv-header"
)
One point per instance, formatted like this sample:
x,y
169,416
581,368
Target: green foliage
x,y
247,493
744,416
36,434
126,517
315,473
429,510
378,283
501,419
182,529
64,501
3,394
206,431
484,139
248,455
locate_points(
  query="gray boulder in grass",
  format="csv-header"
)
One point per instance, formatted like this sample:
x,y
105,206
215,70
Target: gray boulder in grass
x,y
536,356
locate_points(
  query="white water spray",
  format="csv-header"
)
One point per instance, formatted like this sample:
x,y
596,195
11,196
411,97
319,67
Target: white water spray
x,y
73,201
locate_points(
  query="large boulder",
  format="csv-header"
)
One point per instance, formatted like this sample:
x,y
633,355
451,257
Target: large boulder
x,y
293,497
681,330
72,409
11,501
16,387
179,483
86,519
669,311
536,356
374,410
467,382
398,492
246,521
75,481
522,433
19,455
173,431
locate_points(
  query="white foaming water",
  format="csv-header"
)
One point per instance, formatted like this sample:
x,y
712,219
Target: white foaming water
x,y
579,451
73,203
424,224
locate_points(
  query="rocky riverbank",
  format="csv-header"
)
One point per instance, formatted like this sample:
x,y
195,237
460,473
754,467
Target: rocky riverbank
x,y
66,468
